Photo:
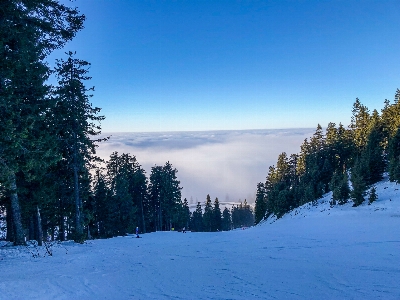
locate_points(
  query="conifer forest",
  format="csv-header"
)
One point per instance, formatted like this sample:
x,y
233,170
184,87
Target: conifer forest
x,y
54,187
345,160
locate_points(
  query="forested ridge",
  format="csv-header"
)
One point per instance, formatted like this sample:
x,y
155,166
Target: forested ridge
x,y
52,184
347,161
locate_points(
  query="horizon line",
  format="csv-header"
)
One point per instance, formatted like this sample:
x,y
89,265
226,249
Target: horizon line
x,y
209,130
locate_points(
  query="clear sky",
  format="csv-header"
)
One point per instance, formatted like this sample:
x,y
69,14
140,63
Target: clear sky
x,y
231,65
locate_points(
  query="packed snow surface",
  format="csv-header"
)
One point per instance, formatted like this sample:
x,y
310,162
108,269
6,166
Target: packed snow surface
x,y
314,252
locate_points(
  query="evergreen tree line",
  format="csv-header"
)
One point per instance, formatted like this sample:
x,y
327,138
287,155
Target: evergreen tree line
x,y
346,161
123,198
214,220
47,132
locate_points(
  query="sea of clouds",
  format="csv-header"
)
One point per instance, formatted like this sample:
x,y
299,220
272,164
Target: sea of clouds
x,y
224,164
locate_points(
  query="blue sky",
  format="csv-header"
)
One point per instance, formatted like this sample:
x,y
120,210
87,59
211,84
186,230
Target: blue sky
x,y
232,65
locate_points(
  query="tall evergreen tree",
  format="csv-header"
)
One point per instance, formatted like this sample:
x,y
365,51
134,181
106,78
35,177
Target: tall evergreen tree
x,y
372,195
345,148
216,220
208,215
226,220
123,212
373,155
340,188
77,121
391,117
260,203
164,196
248,215
138,189
358,182
100,211
360,125
317,141
155,198
197,219
184,214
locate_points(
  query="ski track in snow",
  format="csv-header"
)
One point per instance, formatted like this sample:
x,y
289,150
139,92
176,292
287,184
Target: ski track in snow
x,y
313,252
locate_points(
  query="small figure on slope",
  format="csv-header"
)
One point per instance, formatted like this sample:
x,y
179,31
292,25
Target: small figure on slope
x,y
137,232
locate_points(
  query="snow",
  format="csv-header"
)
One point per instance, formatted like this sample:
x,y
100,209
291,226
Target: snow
x,y
314,252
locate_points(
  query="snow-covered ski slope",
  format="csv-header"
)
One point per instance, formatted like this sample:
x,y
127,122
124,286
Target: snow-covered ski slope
x,y
315,252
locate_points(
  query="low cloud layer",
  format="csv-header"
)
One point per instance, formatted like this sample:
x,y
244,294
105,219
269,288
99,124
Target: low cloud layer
x,y
224,164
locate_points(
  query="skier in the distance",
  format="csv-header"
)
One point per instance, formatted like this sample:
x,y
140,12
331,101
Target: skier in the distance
x,y
137,232
184,229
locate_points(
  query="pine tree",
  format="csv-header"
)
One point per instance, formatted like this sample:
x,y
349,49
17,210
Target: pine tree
x,y
372,195
358,182
216,220
155,198
185,214
248,215
100,196
124,219
226,220
208,215
138,188
236,217
164,196
127,197
172,193
391,117
75,119
269,186
281,198
260,203
360,125
197,219
340,188
317,141
373,155
345,148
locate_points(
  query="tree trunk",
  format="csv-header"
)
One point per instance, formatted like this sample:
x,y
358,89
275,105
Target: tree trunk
x,y
31,227
45,228
61,231
141,204
10,224
78,223
52,232
88,232
78,206
155,218
160,214
38,231
19,237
